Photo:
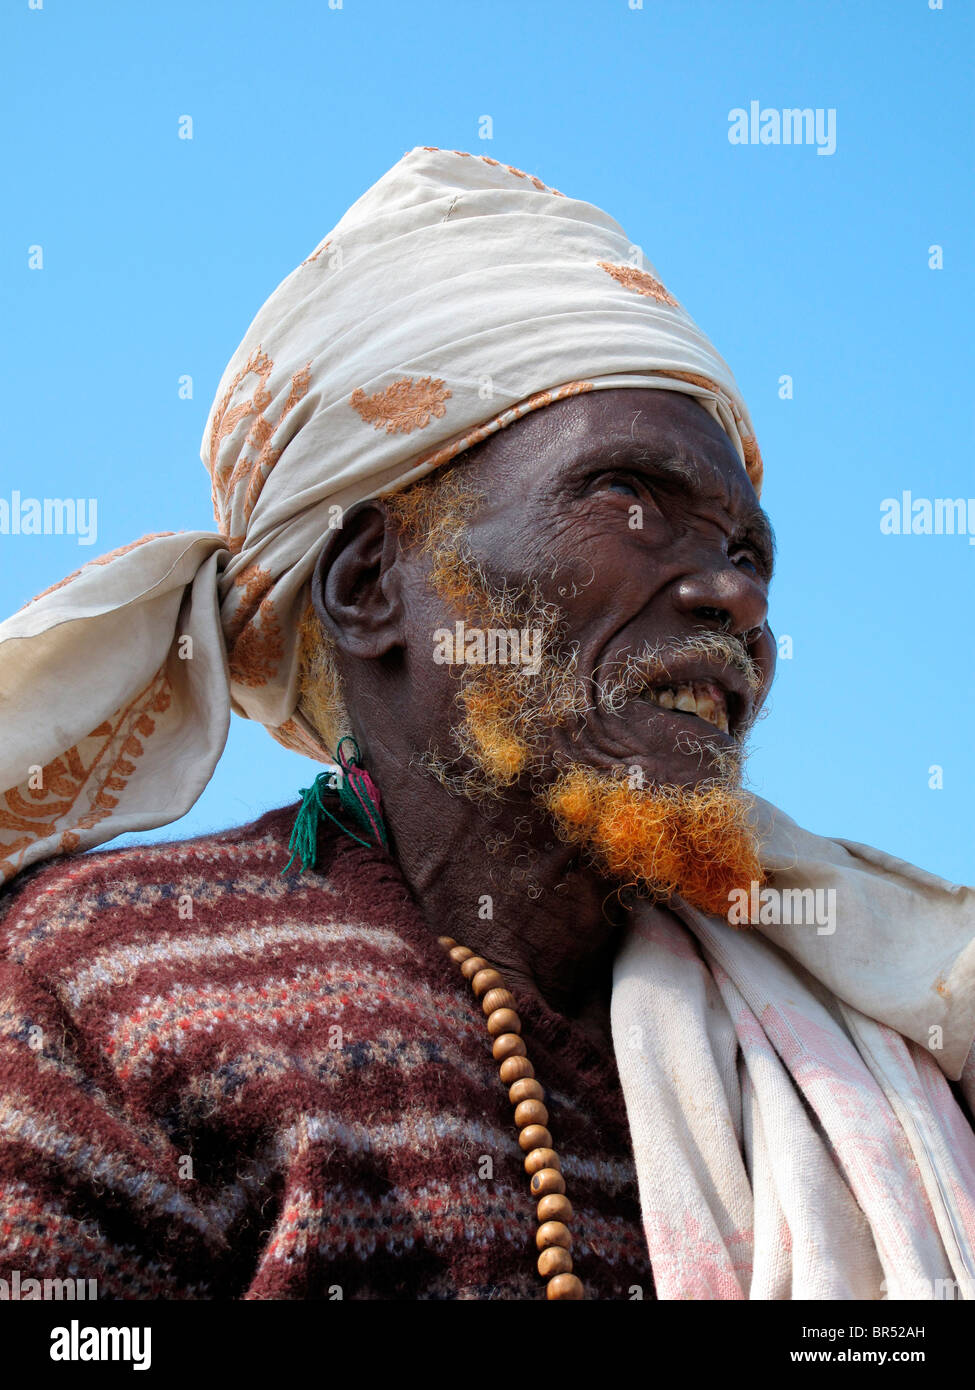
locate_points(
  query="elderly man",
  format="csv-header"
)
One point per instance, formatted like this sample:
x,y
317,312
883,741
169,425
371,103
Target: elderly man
x,y
528,997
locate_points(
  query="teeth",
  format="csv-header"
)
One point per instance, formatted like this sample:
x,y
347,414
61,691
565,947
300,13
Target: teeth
x,y
707,709
684,699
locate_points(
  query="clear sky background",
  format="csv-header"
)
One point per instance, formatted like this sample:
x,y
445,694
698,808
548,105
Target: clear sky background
x,y
159,251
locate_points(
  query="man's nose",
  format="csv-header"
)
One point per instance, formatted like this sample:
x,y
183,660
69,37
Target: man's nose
x,y
724,595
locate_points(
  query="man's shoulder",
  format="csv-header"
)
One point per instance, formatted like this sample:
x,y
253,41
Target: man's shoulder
x,y
222,895
72,889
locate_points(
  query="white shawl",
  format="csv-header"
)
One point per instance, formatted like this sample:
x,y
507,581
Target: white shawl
x,y
794,1133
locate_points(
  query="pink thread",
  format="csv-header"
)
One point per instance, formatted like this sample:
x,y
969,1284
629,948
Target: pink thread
x,y
357,778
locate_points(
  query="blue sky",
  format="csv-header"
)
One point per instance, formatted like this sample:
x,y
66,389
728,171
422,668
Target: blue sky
x,y
159,251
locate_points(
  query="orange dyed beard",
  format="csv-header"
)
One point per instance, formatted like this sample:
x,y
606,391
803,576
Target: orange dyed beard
x,y
698,844
668,840
665,839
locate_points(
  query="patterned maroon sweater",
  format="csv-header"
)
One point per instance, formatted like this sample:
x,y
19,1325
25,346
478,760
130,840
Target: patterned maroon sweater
x,y
223,1082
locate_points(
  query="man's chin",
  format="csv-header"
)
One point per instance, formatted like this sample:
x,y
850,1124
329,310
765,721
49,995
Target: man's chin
x,y
669,840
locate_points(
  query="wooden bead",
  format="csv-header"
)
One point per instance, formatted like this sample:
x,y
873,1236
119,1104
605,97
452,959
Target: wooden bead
x,y
547,1180
485,980
542,1158
525,1089
555,1207
553,1237
534,1137
497,999
565,1286
472,965
508,1045
530,1112
514,1068
503,1021
554,1259
553,1233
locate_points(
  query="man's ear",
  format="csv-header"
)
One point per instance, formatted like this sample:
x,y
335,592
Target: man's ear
x,y
356,589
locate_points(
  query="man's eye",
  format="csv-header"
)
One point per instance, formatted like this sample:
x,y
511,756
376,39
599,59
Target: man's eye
x,y
747,559
620,482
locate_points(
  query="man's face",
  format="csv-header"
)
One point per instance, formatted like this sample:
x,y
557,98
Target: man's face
x,y
633,514
618,531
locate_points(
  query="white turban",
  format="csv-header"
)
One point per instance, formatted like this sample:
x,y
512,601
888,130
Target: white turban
x,y
453,297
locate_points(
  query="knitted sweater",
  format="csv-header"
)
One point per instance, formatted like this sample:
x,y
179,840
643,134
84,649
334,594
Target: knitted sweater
x,y
222,1082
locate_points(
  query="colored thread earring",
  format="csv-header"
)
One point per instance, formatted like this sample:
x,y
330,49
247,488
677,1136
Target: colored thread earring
x,y
357,794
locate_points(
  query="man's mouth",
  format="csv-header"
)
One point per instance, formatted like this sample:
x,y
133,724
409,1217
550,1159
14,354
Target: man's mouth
x,y
706,699
707,676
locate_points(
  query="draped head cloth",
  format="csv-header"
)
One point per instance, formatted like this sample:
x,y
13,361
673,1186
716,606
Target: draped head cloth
x,y
453,297
792,1126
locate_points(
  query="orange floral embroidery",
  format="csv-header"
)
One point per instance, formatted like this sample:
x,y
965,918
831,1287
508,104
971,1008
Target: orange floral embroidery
x,y
228,477
520,174
254,641
754,465
498,422
255,655
640,280
695,379
34,812
315,254
496,163
403,407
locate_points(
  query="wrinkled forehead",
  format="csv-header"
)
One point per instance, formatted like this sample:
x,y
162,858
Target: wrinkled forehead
x,y
669,429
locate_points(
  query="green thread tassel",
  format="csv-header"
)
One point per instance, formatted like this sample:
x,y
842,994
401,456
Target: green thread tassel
x,y
357,794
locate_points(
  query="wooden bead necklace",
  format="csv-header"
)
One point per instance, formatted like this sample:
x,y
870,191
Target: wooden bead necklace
x,y
553,1238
